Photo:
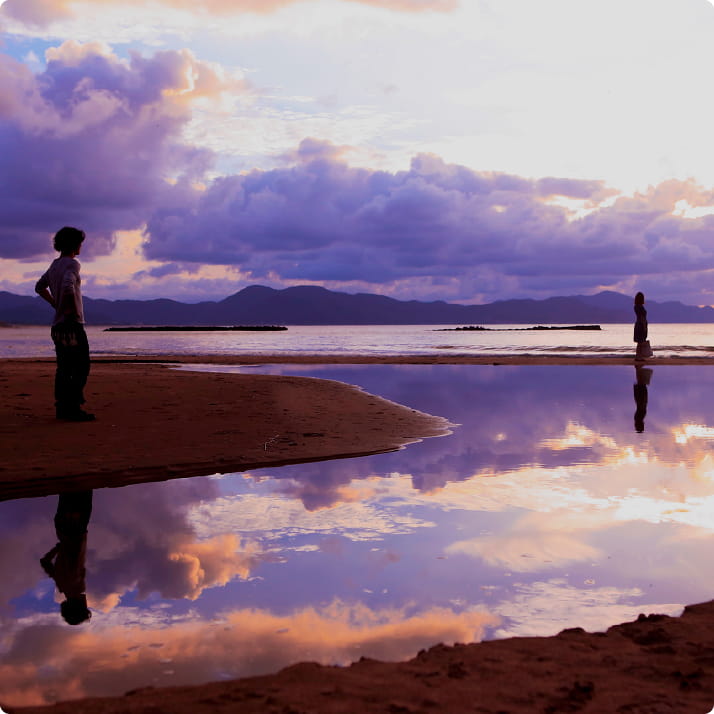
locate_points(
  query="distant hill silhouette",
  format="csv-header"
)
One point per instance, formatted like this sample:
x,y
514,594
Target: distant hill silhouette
x,y
308,305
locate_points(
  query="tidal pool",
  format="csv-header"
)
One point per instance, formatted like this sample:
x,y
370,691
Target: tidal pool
x,y
567,496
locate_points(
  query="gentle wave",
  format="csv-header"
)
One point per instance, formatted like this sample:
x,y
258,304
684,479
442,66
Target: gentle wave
x,y
536,348
673,349
576,349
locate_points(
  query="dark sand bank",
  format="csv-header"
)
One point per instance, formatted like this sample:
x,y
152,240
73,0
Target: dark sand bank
x,y
155,423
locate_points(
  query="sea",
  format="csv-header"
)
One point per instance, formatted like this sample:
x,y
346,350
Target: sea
x,y
686,340
563,496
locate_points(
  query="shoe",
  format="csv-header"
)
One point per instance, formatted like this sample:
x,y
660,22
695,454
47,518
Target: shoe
x,y
75,415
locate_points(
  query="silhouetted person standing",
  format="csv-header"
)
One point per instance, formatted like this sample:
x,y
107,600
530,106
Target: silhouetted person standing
x,y
641,329
65,563
60,286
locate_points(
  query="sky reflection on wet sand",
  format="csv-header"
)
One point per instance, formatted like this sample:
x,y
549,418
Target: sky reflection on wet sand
x,y
544,509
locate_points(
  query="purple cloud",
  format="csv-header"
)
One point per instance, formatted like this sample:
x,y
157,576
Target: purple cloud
x,y
321,220
91,141
96,141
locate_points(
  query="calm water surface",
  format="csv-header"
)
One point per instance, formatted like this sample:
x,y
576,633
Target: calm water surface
x,y
616,340
544,509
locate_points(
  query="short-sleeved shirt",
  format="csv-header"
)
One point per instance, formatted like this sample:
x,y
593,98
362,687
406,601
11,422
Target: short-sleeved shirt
x,y
63,281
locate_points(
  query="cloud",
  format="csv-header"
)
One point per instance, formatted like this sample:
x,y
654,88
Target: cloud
x,y
41,13
356,518
542,609
177,568
413,5
100,142
525,552
114,658
93,140
322,220
213,562
163,556
533,434
35,12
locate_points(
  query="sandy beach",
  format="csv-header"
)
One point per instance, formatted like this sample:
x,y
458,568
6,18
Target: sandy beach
x,y
157,423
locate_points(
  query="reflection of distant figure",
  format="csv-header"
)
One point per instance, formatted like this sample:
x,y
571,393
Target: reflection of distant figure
x,y
640,334
65,562
643,375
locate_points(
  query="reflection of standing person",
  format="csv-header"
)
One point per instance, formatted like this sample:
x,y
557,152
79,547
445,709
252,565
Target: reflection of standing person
x,y
60,286
640,334
643,376
65,563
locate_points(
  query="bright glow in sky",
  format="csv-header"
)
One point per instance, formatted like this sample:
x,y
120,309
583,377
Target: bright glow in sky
x,y
472,150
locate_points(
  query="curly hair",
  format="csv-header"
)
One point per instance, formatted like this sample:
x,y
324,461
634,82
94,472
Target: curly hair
x,y
68,239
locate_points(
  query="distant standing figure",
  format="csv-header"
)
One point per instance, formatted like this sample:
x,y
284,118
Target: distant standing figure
x,y
640,335
60,286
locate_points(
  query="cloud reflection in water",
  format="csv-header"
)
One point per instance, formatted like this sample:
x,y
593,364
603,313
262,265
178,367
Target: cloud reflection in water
x,y
544,509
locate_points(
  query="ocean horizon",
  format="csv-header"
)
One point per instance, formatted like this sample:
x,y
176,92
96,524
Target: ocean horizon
x,y
668,340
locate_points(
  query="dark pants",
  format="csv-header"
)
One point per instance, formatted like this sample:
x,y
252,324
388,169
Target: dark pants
x,y
72,351
73,512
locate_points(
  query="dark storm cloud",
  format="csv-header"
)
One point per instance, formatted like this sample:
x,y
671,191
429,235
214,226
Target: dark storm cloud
x,y
90,141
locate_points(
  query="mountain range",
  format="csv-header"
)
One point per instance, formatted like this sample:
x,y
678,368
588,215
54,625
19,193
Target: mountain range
x,y
310,305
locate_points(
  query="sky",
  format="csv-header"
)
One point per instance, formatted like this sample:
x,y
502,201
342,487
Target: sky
x,y
459,150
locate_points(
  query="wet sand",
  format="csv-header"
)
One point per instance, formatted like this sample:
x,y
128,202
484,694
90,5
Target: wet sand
x,y
158,423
